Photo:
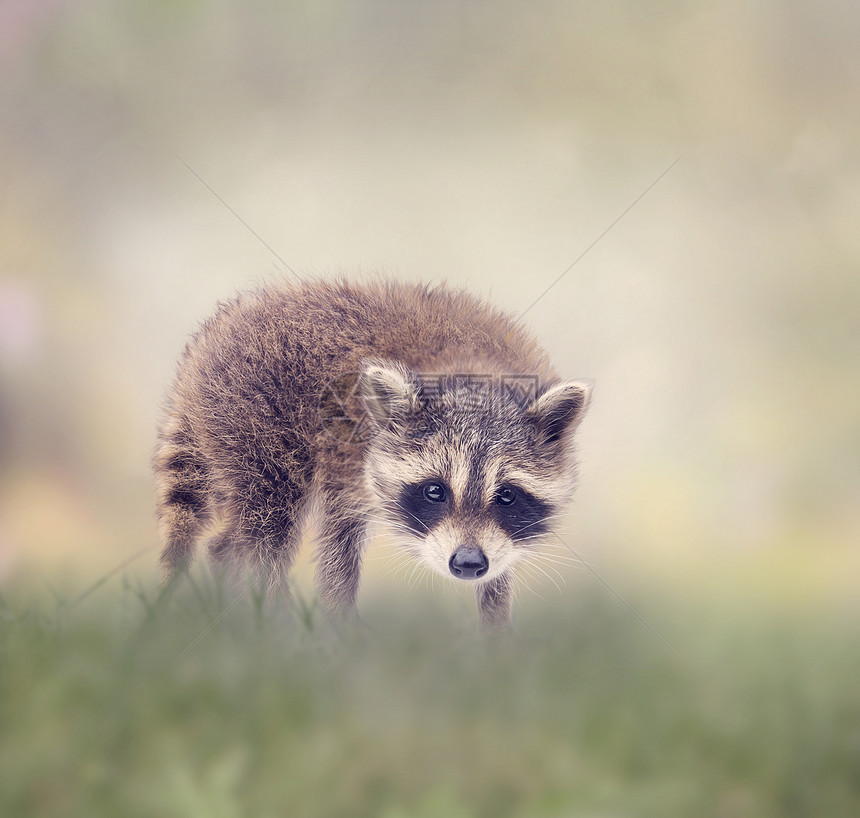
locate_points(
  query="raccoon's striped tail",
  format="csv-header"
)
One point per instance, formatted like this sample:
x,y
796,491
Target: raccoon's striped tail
x,y
182,505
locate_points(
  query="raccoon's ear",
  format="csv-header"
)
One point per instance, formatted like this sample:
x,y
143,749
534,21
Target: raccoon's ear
x,y
559,410
388,391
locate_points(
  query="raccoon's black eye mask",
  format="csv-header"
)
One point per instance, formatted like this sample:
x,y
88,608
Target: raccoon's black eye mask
x,y
423,505
520,514
517,512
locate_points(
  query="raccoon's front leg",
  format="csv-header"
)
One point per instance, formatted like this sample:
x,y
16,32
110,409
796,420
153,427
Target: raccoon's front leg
x,y
339,554
494,601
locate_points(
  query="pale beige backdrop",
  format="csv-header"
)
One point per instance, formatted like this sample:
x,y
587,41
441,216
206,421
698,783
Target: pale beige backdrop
x,y
155,157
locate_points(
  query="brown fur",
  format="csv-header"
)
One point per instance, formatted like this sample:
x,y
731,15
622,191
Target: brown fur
x,y
251,438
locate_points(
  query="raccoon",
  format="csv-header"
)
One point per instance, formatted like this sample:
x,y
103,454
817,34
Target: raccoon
x,y
422,409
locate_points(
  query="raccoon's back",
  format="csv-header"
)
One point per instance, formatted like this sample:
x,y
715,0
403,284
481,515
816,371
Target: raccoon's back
x,y
257,367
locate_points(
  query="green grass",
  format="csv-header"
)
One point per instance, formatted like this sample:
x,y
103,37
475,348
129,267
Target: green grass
x,y
115,706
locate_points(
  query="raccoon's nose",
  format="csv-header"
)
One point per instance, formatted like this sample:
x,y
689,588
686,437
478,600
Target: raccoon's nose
x,y
468,563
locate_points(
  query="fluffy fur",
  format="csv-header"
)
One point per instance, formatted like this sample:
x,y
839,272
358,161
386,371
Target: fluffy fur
x,y
360,403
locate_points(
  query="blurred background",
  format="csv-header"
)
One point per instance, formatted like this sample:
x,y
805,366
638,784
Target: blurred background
x,y
155,157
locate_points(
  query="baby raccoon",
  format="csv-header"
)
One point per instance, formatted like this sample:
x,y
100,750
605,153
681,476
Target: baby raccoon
x,y
422,409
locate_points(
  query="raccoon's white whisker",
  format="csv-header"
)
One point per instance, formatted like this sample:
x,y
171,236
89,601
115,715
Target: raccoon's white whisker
x,y
410,579
399,535
530,589
544,520
531,538
548,549
556,545
374,517
553,570
398,557
556,559
398,548
391,571
420,522
559,558
417,574
549,545
537,567
386,522
535,544
424,573
564,565
535,570
401,563
394,531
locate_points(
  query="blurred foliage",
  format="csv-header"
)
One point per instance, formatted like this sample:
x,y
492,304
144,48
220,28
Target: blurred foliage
x,y
126,704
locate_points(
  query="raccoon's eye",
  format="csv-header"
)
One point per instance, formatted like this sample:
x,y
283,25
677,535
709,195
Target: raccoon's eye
x,y
434,492
505,496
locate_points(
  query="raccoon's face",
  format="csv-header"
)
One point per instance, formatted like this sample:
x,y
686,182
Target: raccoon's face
x,y
468,475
